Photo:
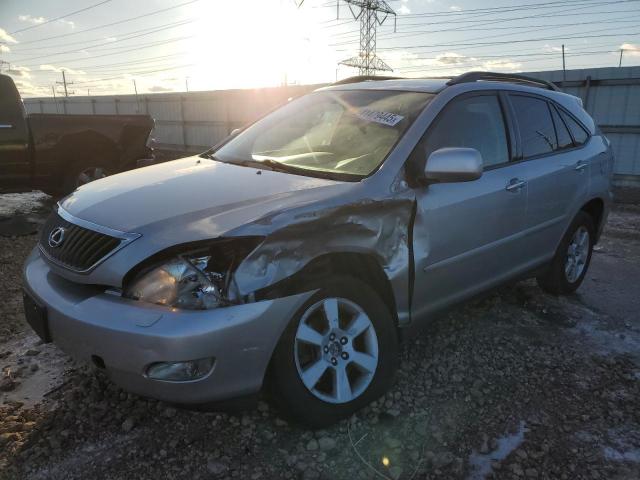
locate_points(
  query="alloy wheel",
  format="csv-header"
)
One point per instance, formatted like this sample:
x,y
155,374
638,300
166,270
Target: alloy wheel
x,y
577,254
90,174
336,350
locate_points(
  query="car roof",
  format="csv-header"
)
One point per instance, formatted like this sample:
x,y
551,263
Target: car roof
x,y
427,85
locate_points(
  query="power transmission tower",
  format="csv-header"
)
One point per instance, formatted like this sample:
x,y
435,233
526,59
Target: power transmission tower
x,y
65,83
371,13
2,62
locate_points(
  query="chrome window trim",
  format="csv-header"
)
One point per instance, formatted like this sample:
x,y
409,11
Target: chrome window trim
x,y
125,239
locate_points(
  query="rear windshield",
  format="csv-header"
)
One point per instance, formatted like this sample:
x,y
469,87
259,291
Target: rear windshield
x,y
342,132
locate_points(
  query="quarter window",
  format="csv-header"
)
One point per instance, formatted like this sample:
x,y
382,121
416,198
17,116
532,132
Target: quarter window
x,y
564,139
536,128
579,134
473,122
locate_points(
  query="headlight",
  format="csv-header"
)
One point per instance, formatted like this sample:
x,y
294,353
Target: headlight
x,y
181,282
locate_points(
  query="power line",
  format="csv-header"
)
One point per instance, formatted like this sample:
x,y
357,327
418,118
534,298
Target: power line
x,y
483,22
97,27
539,39
165,26
59,18
125,50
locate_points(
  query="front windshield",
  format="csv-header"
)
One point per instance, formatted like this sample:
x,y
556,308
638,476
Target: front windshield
x,y
347,132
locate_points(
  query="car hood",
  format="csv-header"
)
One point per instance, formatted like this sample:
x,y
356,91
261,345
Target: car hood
x,y
206,196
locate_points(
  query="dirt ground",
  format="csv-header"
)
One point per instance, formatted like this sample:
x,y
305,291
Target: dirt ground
x,y
519,384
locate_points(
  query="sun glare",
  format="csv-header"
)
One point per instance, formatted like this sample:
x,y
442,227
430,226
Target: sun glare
x,y
274,44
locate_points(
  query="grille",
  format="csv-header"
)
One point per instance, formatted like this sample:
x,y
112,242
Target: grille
x,y
80,248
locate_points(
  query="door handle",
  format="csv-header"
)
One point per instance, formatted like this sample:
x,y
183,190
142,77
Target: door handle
x,y
515,184
6,125
581,165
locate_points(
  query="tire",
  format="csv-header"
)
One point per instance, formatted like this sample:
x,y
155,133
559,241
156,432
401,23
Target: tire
x,y
83,173
560,278
324,404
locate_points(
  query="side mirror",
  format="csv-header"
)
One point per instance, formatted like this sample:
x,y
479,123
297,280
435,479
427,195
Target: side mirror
x,y
448,165
235,131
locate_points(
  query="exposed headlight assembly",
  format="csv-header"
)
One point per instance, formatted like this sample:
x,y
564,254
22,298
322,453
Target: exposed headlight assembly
x,y
181,282
194,281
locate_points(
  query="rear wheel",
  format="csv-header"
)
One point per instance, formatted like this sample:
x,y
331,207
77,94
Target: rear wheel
x,y
87,172
571,261
338,353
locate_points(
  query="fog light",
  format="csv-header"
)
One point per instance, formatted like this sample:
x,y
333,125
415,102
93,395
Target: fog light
x,y
180,371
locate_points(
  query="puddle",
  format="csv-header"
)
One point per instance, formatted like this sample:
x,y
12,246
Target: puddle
x,y
481,463
36,368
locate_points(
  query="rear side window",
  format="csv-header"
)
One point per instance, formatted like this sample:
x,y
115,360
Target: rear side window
x,y
564,139
472,122
536,127
579,134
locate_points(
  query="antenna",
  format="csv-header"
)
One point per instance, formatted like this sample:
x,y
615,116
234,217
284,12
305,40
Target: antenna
x,y
371,13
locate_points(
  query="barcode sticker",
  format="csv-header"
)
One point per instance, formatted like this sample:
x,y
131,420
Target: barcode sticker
x,y
385,118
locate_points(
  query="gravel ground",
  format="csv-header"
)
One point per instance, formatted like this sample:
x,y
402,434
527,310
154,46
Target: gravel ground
x,y
519,384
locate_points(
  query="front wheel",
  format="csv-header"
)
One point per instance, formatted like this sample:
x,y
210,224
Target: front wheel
x,y
571,261
338,353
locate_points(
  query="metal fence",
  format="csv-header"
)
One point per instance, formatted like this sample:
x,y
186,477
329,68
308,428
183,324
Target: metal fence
x,y
196,120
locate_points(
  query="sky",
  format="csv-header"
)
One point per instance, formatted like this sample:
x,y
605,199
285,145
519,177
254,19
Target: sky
x,y
117,46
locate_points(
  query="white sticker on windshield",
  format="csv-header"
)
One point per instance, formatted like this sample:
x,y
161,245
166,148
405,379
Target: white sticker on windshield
x,y
385,118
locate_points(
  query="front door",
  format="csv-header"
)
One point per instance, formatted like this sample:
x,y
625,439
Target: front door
x,y
468,236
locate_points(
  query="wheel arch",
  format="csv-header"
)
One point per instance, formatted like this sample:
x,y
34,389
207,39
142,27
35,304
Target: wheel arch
x,y
362,266
595,208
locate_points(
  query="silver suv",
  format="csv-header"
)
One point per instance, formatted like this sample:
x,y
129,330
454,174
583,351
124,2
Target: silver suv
x,y
299,252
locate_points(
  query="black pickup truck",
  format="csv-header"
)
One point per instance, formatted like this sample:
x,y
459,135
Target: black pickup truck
x,y
58,153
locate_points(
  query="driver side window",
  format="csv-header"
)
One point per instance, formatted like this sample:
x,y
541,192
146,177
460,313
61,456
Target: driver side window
x,y
471,122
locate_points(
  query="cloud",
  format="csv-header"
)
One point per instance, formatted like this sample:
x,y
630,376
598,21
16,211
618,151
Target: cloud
x,y
53,68
451,58
505,64
67,23
5,37
159,89
17,71
403,10
31,19
554,49
455,8
631,49
28,89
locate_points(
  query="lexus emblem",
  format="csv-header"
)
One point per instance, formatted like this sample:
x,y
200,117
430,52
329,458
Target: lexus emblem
x,y
56,237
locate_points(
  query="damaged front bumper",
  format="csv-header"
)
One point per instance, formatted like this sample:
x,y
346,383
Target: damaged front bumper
x,y
127,336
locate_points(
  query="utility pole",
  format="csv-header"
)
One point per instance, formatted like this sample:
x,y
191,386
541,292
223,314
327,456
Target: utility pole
x,y
620,62
55,100
371,13
135,89
186,83
564,72
65,83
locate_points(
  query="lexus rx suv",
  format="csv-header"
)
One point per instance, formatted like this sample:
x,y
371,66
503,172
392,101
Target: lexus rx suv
x,y
300,251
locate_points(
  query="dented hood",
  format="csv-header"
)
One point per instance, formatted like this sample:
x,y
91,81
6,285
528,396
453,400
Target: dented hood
x,y
207,196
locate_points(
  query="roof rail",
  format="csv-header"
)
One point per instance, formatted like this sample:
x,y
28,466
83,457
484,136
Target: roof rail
x,y
502,77
364,78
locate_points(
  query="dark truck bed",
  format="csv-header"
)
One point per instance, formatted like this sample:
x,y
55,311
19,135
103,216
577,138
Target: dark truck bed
x,y
64,142
55,152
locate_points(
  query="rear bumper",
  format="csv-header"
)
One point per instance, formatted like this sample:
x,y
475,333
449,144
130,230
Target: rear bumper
x,y
129,335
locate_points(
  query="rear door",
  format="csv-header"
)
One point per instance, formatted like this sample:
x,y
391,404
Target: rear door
x,y
556,171
467,236
15,167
